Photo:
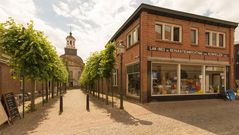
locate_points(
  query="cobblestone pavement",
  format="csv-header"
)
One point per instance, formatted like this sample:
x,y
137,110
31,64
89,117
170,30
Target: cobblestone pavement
x,y
214,116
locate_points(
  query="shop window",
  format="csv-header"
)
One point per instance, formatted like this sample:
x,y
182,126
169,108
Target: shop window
x,y
168,32
191,79
215,39
133,80
133,36
164,79
194,36
115,77
214,79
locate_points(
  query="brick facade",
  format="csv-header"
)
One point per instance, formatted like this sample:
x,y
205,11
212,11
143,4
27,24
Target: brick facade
x,y
8,84
139,53
237,61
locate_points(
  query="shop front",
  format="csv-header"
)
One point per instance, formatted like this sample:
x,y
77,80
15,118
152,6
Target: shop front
x,y
186,79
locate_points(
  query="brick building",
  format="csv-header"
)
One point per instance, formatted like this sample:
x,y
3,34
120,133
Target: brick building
x,y
7,83
175,55
237,60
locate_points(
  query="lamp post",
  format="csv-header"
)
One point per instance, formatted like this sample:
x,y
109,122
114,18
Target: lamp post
x,y
121,48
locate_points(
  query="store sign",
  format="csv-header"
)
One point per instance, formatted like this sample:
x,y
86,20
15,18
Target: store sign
x,y
172,50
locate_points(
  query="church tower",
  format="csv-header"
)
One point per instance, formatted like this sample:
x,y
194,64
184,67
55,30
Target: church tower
x,y
73,63
70,45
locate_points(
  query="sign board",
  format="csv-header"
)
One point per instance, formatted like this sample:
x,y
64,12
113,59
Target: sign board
x,y
172,50
11,106
3,115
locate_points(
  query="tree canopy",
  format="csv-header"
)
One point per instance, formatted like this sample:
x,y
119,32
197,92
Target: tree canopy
x,y
31,54
99,65
91,70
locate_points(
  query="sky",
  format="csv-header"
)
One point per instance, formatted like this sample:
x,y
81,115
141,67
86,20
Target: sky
x,y
93,22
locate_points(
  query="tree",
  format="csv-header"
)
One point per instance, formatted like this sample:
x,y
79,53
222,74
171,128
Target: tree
x,y
31,54
107,64
91,70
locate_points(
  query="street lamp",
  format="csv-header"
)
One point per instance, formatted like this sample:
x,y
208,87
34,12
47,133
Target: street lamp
x,y
121,49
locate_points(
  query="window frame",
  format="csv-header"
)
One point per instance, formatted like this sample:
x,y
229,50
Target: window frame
x,y
172,32
161,30
217,39
196,38
132,36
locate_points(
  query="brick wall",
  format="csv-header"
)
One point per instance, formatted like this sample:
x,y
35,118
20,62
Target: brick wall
x,y
7,84
148,37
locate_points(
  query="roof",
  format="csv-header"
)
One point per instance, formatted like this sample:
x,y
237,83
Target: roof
x,y
70,36
74,58
174,14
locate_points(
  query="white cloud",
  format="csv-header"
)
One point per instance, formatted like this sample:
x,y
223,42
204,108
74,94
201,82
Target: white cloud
x,y
23,11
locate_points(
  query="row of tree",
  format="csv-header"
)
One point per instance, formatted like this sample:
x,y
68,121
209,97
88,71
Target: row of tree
x,y
99,66
31,54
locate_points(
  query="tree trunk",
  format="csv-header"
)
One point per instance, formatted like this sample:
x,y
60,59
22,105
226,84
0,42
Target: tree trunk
x,y
112,93
93,88
42,92
57,88
64,87
46,91
52,88
107,92
102,90
98,89
60,89
33,83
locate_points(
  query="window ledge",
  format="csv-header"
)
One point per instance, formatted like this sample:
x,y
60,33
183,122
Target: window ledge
x,y
195,45
132,46
224,48
170,42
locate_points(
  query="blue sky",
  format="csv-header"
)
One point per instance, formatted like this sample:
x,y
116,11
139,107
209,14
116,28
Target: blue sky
x,y
93,22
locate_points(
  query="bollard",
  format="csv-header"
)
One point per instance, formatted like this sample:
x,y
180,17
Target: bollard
x,y
87,103
61,103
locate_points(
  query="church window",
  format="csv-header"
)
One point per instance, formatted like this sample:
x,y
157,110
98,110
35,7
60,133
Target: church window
x,y
71,74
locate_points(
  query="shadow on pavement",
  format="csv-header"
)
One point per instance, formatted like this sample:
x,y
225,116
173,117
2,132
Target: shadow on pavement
x,y
118,115
31,121
214,115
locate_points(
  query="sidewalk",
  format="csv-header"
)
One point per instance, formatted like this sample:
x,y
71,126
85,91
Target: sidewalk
x,y
182,117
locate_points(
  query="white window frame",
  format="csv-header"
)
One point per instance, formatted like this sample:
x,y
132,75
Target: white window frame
x,y
172,32
217,38
196,29
129,43
132,38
